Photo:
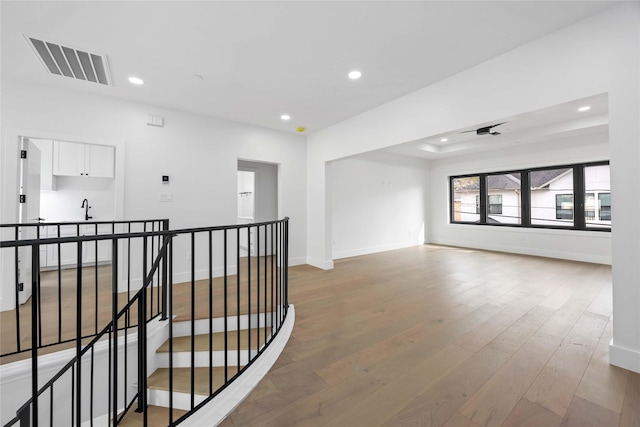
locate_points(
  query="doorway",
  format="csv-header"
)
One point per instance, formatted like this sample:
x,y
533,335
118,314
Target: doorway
x,y
72,182
246,209
257,194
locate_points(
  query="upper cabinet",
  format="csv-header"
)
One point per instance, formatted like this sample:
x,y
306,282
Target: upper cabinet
x,y
74,159
99,161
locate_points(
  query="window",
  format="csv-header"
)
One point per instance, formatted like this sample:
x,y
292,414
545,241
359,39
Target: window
x,y
572,196
597,197
504,204
564,206
466,199
551,197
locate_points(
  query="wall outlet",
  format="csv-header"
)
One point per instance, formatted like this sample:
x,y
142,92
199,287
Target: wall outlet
x,y
165,197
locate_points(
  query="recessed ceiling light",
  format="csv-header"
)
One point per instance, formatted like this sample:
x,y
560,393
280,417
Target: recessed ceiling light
x,y
443,140
355,75
136,80
285,117
585,108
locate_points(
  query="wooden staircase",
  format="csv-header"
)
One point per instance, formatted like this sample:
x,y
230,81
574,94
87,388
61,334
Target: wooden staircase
x,y
207,348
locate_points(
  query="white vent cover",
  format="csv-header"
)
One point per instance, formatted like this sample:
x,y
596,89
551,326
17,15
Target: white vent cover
x,y
70,62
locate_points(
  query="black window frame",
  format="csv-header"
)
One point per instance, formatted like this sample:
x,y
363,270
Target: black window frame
x,y
579,196
452,203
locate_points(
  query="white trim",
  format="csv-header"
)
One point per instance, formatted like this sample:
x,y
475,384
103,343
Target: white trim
x,y
297,261
521,250
624,357
324,265
374,249
490,243
9,183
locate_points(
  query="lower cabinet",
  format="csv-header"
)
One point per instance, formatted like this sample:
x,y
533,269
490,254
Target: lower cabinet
x,y
69,251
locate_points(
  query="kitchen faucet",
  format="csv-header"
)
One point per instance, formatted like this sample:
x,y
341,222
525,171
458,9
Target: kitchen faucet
x,y
85,205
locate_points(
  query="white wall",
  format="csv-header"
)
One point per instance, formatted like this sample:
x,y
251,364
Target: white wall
x,y
378,203
199,154
597,55
574,245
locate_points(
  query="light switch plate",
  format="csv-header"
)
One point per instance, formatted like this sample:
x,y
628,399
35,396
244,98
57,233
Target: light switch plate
x,y
165,197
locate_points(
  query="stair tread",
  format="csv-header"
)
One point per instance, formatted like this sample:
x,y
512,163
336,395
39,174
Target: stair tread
x,y
157,416
201,342
159,380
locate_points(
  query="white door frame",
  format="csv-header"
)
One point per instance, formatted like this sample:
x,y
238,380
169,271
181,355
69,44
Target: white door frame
x,y
10,183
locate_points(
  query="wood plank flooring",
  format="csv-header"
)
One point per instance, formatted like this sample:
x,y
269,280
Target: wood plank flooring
x,y
440,336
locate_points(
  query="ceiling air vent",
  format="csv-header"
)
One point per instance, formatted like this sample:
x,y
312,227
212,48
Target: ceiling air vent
x,y
70,62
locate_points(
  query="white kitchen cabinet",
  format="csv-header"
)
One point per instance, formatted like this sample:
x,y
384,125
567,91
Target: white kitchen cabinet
x,y
99,161
68,158
69,251
75,159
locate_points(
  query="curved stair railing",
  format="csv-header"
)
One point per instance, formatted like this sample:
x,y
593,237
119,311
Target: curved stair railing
x,y
216,320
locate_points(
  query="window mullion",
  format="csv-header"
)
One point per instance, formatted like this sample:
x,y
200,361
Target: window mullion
x,y
452,209
525,198
579,221
483,199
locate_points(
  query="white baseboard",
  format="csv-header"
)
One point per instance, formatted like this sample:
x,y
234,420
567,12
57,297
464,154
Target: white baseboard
x,y
624,357
6,305
373,249
547,252
297,261
322,264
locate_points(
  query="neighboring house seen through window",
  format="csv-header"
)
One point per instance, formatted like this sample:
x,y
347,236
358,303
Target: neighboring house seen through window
x,y
604,201
564,206
495,204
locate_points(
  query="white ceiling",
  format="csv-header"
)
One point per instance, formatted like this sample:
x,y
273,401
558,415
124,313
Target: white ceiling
x,y
262,59
553,123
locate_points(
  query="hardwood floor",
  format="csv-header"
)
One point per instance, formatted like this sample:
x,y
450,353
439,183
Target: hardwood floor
x,y
439,336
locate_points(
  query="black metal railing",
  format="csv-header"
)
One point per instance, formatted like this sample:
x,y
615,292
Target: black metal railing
x,y
231,280
60,272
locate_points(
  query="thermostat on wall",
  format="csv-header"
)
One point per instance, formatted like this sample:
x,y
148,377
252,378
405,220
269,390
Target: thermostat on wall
x,y
165,179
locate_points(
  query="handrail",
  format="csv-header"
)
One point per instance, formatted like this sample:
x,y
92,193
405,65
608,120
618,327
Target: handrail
x,y
69,223
258,282
92,238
